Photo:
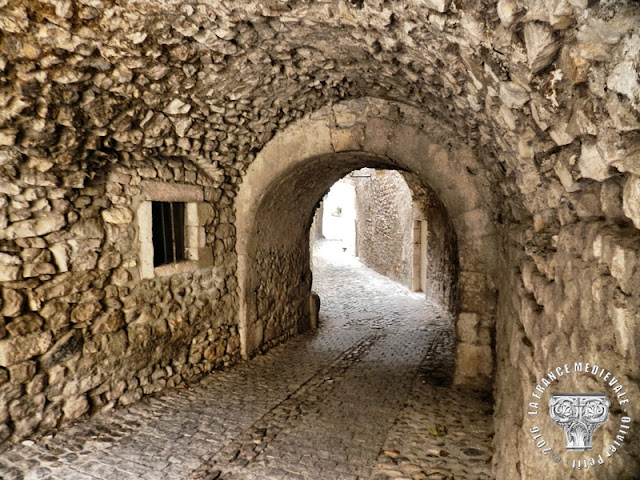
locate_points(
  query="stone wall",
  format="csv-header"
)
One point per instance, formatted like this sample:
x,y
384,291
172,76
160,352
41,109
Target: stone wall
x,y
436,260
522,115
576,303
384,223
81,331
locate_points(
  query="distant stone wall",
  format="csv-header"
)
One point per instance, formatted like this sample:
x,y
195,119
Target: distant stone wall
x,y
384,223
436,262
80,330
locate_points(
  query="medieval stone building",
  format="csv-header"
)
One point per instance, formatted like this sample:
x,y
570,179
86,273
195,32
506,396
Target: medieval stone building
x,y
161,162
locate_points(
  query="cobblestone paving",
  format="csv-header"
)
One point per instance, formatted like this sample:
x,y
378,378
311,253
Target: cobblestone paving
x,y
365,397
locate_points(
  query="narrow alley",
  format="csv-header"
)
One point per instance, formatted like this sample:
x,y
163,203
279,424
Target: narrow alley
x,y
366,396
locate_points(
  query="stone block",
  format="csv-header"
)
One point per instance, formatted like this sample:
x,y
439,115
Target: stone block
x,y
591,163
12,302
64,349
624,79
467,327
611,199
625,321
37,384
89,228
513,95
36,227
7,259
508,10
205,257
84,312
25,324
177,107
5,432
22,372
347,139
75,407
108,323
631,199
56,313
51,415
60,252
26,414
36,269
438,5
9,273
109,260
130,397
49,223
623,263
541,45
157,191
118,215
16,350
206,213
314,309
473,361
56,373
377,136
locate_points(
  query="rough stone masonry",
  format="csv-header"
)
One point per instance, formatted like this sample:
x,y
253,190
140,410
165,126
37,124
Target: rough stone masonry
x,y
522,116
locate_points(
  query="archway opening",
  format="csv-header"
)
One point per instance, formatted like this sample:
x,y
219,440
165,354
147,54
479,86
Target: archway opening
x,y
335,218
279,280
394,225
384,257
386,352
288,179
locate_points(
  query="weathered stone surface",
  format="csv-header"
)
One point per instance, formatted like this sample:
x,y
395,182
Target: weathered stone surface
x,y
60,253
65,348
631,199
541,44
22,372
84,312
508,10
118,216
16,350
513,95
473,359
12,302
25,324
35,269
75,407
176,107
438,5
90,228
591,163
36,227
9,273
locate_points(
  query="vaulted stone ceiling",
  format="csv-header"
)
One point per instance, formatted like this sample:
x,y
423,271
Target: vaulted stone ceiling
x,y
545,90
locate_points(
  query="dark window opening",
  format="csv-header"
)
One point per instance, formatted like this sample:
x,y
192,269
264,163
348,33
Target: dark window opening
x,y
167,222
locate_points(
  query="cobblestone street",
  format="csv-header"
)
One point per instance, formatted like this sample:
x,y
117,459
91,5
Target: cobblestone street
x,y
366,396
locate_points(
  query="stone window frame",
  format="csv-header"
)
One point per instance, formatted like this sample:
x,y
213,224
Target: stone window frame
x,y
195,238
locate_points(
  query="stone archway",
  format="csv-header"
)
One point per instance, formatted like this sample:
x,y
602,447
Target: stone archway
x,y
288,178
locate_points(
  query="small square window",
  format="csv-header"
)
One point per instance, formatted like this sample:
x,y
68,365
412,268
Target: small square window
x,y
171,221
168,232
